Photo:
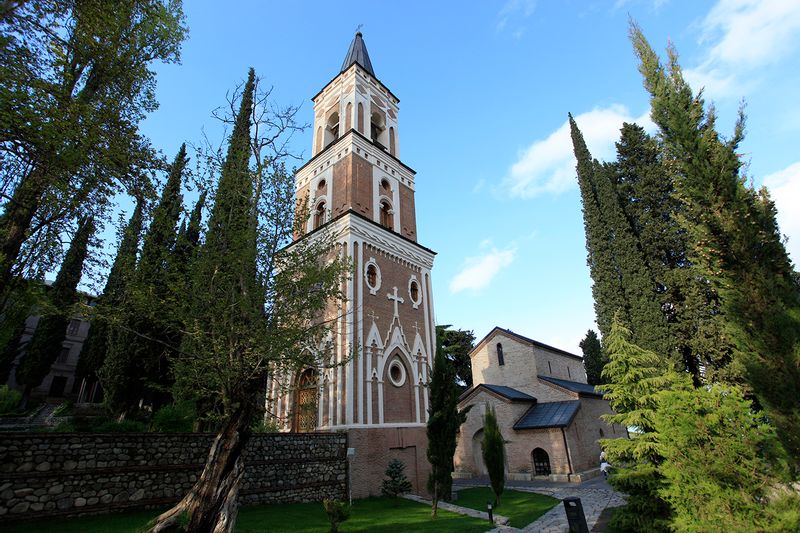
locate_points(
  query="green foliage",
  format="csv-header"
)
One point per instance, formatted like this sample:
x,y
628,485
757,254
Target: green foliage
x,y
395,483
9,400
80,424
493,448
46,343
174,418
457,344
635,378
444,419
720,461
734,242
593,358
76,81
95,347
337,512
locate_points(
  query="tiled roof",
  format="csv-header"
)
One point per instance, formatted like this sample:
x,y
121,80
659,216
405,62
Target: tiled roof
x,y
357,53
506,392
549,415
574,386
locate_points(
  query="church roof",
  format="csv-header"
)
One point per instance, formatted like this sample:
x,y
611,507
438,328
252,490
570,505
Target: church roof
x,y
502,331
357,53
506,392
573,386
549,415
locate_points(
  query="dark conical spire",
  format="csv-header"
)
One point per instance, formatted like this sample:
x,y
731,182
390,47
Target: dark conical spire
x,y
358,54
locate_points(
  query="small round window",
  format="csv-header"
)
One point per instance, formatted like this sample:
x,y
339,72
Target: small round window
x,y
321,184
372,276
397,373
413,291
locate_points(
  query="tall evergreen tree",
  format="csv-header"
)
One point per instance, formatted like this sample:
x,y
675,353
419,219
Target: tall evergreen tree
x,y
734,240
444,419
46,343
593,358
95,347
623,283
137,364
493,448
256,302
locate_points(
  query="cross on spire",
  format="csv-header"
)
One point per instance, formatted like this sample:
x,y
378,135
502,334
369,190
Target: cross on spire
x,y
372,315
396,299
416,327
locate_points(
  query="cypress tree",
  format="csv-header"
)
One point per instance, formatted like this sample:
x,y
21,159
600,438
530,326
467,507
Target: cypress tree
x,y
93,353
137,366
46,343
493,448
444,419
593,358
735,242
623,283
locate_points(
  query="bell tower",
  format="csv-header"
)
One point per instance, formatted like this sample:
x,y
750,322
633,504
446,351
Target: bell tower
x,y
357,187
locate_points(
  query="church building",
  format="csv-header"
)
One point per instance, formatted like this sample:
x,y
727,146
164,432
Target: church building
x,y
548,415
358,189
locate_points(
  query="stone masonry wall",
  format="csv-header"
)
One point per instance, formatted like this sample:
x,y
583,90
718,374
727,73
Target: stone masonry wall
x,y
67,474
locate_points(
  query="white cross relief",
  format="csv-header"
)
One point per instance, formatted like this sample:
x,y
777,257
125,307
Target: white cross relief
x,y
396,299
373,316
416,327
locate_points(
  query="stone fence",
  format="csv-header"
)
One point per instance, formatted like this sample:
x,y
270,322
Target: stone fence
x,y
68,474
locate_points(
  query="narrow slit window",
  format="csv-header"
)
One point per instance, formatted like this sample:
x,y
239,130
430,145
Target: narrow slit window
x,y
500,359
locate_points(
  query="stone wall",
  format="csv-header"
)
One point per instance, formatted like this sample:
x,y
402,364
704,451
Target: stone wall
x,y
67,474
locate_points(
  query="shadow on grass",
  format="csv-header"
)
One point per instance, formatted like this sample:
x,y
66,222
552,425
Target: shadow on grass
x,y
368,515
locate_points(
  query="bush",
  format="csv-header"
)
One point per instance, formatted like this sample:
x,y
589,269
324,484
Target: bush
x,y
337,513
396,482
9,400
494,452
175,418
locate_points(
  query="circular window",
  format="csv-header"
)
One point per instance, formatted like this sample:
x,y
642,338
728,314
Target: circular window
x,y
385,185
413,291
321,184
372,276
397,373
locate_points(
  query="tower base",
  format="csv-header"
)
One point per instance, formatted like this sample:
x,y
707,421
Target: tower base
x,y
373,449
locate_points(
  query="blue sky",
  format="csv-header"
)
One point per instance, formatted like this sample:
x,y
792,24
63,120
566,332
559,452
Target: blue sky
x,y
485,88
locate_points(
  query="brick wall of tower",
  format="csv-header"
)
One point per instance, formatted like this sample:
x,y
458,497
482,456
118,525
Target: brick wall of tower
x,y
352,186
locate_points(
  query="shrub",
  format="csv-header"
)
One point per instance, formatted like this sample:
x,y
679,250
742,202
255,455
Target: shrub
x,y
175,418
396,482
494,452
337,513
9,400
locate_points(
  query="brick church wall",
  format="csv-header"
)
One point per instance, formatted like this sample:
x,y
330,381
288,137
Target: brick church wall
x,y
68,474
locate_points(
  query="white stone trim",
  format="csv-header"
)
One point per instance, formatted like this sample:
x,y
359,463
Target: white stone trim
x,y
415,303
373,290
396,363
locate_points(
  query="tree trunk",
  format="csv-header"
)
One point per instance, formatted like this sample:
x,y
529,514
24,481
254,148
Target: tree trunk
x,y
16,221
211,505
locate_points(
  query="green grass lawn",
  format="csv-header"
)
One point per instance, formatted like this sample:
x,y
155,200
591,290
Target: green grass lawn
x,y
368,515
521,508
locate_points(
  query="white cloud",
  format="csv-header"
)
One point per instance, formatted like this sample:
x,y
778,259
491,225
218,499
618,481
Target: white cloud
x,y
548,165
479,271
744,35
515,9
784,188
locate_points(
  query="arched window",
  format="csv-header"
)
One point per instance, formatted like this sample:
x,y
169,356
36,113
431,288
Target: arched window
x,y
414,292
305,407
360,118
500,359
541,462
392,149
319,215
348,117
372,276
377,129
386,215
332,129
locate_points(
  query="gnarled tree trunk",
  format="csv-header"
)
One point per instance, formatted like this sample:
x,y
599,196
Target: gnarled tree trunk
x,y
211,504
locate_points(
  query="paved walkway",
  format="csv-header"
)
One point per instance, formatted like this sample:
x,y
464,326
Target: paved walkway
x,y
595,494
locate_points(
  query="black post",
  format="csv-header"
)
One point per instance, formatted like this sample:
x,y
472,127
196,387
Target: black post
x,y
575,517
489,509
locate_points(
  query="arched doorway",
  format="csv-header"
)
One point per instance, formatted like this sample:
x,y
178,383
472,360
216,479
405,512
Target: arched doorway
x,y
541,462
305,403
477,453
